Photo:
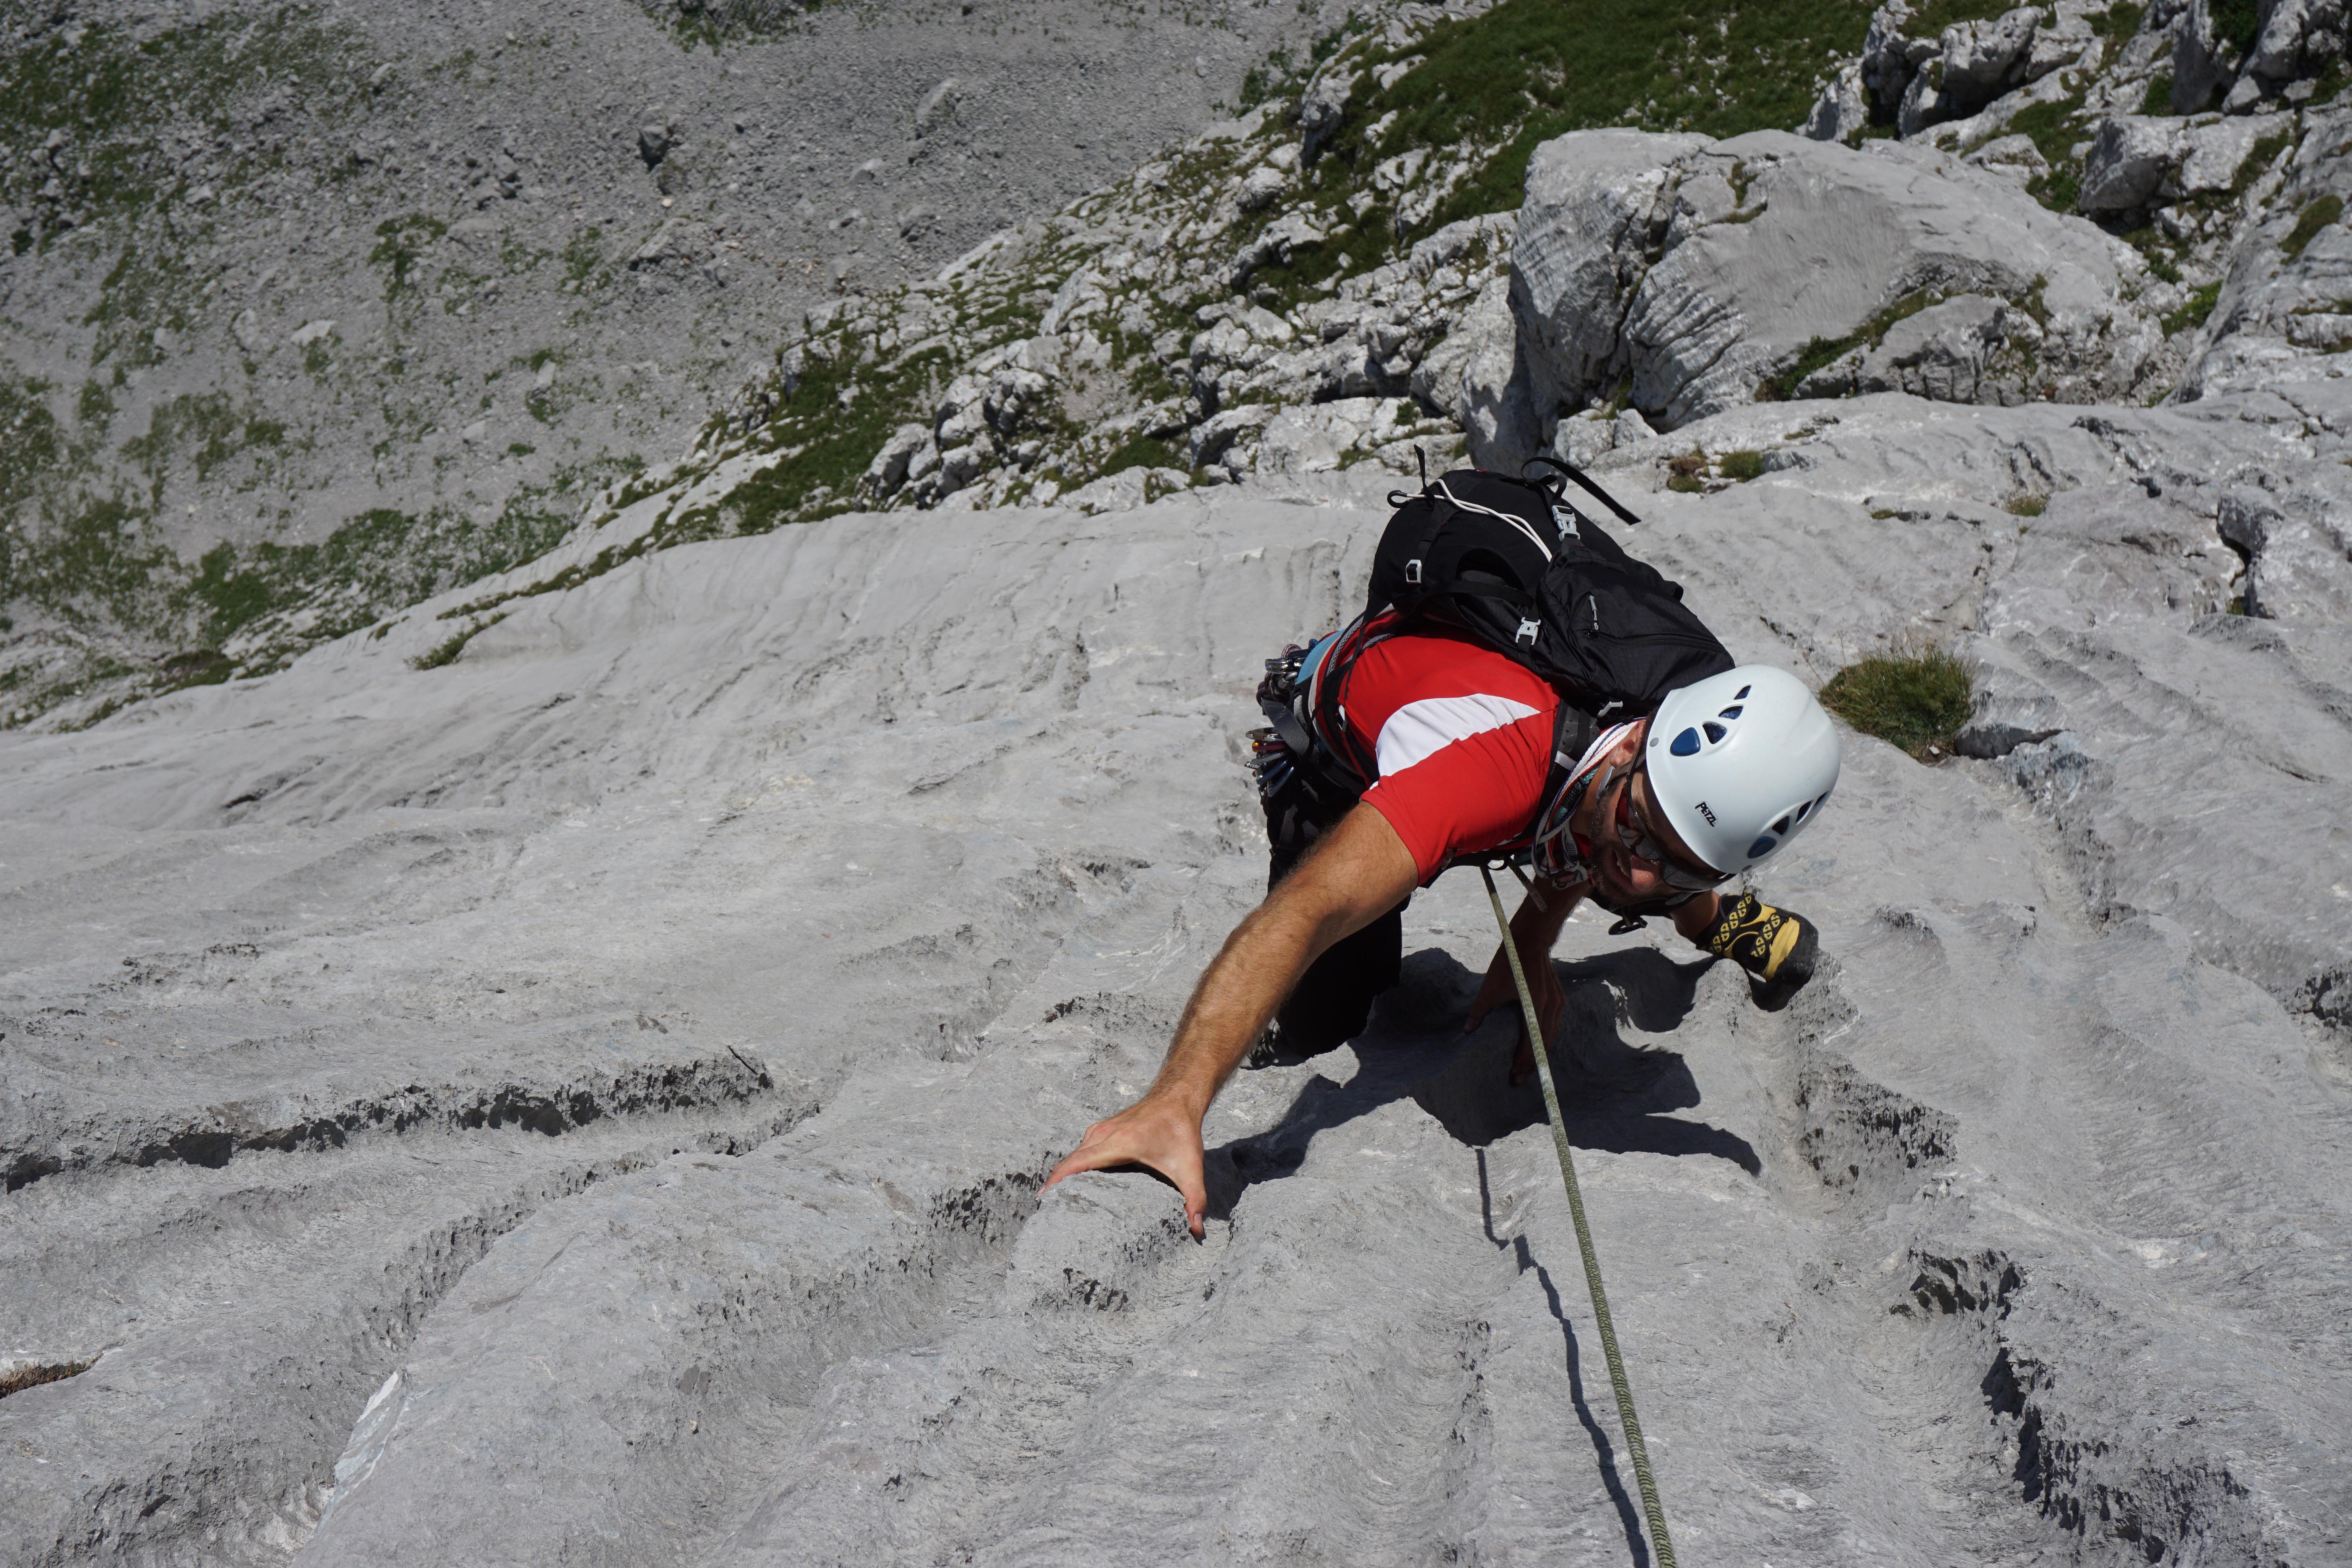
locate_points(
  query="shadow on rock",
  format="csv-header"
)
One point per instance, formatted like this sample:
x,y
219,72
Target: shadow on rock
x,y
1615,1095
1602,1450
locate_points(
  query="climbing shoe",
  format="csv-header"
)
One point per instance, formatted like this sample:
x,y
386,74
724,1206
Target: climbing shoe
x,y
1777,947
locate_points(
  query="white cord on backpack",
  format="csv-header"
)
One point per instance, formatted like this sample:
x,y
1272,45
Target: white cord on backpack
x,y
1519,523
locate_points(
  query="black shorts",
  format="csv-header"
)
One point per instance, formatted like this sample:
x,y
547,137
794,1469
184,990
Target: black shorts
x,y
1333,1000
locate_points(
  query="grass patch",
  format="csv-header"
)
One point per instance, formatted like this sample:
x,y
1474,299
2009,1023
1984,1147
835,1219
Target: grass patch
x,y
1916,698
827,428
2026,506
2313,217
447,651
400,242
2053,128
1141,451
1929,19
111,93
2193,310
2159,101
1742,465
2258,160
1821,353
2118,24
2238,22
1528,70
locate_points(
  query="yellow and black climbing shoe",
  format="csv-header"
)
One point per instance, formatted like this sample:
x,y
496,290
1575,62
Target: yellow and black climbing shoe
x,y
1777,947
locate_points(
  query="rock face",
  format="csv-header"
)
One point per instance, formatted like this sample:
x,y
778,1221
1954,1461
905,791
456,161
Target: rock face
x,y
585,1100
1683,277
475,197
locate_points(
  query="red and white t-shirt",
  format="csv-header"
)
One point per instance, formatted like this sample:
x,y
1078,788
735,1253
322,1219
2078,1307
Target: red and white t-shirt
x,y
1462,737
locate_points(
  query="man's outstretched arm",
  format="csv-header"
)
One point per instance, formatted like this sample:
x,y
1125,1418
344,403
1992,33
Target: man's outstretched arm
x,y
1359,872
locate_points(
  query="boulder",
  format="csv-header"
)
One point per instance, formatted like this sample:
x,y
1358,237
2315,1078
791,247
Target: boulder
x,y
1322,107
2298,548
1888,57
889,469
2298,37
1697,272
1981,60
1842,111
2202,64
2014,156
2129,158
2210,157
937,108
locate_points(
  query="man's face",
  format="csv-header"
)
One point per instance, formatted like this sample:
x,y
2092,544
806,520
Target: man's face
x,y
1631,809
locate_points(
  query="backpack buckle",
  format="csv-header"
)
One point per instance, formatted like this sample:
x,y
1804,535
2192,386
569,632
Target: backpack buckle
x,y
1412,571
1527,632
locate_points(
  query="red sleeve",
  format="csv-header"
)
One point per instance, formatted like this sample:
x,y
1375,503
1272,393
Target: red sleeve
x,y
1477,793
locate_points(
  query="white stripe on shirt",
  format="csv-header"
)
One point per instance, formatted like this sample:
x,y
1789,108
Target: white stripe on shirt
x,y
1418,729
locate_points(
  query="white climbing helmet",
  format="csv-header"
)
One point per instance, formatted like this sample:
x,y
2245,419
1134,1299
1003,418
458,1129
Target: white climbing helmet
x,y
1739,762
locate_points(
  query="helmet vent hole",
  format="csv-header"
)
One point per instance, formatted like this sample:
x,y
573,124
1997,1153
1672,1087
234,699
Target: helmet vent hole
x,y
1782,825
1741,695
1803,810
1715,732
1761,847
1731,712
1685,745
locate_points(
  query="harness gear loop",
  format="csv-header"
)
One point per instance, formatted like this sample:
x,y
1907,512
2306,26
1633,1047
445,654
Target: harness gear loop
x,y
1660,1546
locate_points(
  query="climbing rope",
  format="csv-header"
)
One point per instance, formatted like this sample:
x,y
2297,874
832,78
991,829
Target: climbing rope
x,y
1659,1543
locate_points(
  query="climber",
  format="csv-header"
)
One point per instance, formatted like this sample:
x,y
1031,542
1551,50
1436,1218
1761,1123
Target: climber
x,y
1408,741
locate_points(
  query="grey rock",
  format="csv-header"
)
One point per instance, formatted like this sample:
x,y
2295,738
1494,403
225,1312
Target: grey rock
x,y
889,469
2055,47
1594,206
939,106
1843,111
960,818
2299,549
1941,353
1632,263
2014,156
1982,59
2010,706
1213,437
1887,60
1583,439
1484,330
2203,66
654,143
1321,107
2130,159
2211,157
1498,410
1260,188
1275,243
1925,102
2297,39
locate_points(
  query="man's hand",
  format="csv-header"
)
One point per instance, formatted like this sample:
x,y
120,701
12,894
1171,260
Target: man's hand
x,y
1359,872
1154,1133
1533,931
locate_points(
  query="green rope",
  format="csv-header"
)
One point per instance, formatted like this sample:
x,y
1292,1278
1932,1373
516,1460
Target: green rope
x,y
1659,1543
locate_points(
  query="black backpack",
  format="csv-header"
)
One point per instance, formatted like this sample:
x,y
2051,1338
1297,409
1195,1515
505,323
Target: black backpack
x,y
1511,564
1526,573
